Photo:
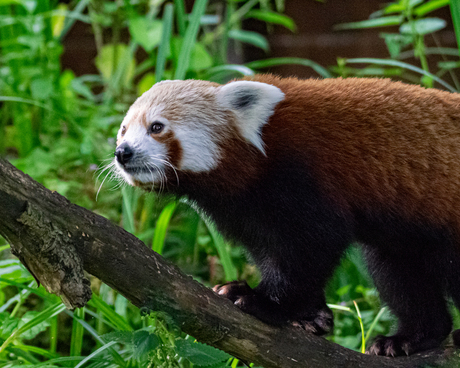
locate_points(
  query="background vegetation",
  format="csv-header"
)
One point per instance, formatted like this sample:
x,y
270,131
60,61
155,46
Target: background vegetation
x,y
59,129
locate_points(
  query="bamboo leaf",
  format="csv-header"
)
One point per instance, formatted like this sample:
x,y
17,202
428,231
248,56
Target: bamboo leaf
x,y
272,17
430,6
224,254
258,64
455,12
253,38
393,20
190,38
401,65
423,26
162,227
163,49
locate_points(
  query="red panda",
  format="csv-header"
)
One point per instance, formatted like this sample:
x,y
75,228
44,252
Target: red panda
x,y
297,170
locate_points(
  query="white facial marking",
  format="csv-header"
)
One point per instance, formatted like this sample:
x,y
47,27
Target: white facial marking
x,y
199,152
195,115
148,162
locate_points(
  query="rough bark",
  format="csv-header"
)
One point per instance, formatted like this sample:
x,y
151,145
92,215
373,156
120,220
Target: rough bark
x,y
57,240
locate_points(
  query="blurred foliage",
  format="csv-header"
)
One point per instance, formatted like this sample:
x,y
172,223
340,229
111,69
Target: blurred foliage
x,y
60,128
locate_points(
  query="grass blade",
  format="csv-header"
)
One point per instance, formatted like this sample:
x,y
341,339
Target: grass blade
x,y
224,254
190,38
104,309
115,355
39,318
455,12
228,69
162,226
163,49
374,323
289,60
401,65
76,341
96,353
180,14
393,20
128,209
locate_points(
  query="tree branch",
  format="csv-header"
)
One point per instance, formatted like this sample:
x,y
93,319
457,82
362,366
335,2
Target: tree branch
x,y
57,240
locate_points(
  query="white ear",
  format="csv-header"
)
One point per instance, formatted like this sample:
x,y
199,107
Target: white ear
x,y
253,103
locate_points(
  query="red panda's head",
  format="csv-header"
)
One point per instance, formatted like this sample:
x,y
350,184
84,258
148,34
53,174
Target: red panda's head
x,y
184,126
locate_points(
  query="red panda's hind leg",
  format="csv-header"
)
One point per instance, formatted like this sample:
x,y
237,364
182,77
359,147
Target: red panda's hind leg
x,y
408,283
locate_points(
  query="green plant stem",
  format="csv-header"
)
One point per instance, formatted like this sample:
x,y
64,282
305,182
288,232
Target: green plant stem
x,y
235,17
42,316
183,61
163,49
162,227
455,12
180,14
363,340
76,342
53,334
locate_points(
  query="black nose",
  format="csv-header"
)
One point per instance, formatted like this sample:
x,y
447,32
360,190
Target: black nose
x,y
123,153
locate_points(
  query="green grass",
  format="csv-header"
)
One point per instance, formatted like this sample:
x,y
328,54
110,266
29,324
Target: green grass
x,y
58,128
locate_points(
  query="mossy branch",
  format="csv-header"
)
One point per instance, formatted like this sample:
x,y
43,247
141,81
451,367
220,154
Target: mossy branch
x,y
57,240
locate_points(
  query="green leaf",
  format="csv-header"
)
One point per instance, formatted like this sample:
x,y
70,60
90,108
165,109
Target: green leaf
x,y
110,58
146,32
122,337
253,38
449,65
289,60
164,48
41,88
82,89
147,81
35,329
9,324
228,69
395,42
223,249
143,343
371,23
12,269
200,59
430,6
96,353
272,17
162,226
401,65
423,26
48,313
199,354
107,311
191,33
455,12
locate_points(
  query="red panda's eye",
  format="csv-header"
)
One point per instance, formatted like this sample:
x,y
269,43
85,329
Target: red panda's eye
x,y
156,127
123,130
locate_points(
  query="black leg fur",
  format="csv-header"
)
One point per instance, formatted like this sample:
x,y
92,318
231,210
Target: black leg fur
x,y
415,295
295,237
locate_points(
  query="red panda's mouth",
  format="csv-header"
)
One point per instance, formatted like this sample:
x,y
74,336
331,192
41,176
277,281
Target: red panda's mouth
x,y
140,170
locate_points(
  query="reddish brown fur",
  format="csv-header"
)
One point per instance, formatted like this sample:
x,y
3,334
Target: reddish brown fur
x,y
374,143
364,160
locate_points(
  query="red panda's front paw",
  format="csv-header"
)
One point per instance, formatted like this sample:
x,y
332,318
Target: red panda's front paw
x,y
320,323
233,290
252,302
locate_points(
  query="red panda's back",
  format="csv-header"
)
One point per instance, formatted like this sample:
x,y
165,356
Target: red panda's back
x,y
374,144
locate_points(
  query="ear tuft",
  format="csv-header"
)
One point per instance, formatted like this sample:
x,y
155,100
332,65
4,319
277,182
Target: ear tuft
x,y
253,103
